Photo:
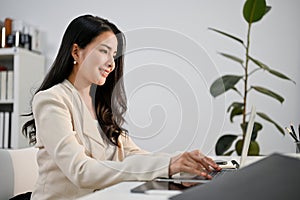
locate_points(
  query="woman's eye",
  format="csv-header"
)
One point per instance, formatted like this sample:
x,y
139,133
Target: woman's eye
x,y
103,51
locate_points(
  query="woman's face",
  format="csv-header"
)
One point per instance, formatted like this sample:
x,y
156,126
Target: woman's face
x,y
96,60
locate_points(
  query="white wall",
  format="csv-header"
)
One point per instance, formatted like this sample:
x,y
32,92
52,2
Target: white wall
x,y
172,60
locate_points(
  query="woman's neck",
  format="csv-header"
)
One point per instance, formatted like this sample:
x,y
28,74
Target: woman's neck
x,y
84,92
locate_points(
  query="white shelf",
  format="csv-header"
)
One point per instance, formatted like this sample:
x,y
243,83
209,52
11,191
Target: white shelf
x,y
13,50
6,101
28,72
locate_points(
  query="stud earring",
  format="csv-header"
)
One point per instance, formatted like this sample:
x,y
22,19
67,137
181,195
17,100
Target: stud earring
x,y
75,62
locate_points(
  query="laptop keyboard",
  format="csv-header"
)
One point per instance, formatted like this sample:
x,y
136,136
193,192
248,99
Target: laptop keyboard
x,y
215,174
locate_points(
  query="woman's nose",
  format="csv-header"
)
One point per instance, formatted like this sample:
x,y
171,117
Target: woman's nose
x,y
111,63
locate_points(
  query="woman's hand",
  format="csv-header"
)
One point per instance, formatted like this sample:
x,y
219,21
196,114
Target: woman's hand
x,y
193,162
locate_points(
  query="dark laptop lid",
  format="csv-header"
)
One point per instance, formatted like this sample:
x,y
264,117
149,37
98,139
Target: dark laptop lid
x,y
274,177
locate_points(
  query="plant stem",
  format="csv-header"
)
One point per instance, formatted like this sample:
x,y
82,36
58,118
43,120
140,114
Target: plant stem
x,y
246,77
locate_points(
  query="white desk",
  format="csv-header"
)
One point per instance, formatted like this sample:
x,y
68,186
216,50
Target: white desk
x,y
122,190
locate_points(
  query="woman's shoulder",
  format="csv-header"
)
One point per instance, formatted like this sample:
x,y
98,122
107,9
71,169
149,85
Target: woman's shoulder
x,y
59,91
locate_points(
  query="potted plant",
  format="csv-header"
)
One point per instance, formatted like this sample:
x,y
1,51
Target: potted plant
x,y
253,11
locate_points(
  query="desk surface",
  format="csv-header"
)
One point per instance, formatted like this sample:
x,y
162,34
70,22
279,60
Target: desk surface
x,y
122,190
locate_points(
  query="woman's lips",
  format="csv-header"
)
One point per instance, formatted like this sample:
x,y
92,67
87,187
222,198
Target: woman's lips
x,y
105,73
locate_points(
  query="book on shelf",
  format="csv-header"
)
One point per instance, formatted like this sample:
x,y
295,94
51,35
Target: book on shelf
x,y
8,29
9,85
2,34
4,130
6,84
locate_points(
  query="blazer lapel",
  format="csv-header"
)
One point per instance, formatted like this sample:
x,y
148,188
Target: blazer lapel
x,y
90,128
84,120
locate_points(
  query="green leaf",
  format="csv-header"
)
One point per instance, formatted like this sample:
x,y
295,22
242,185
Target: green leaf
x,y
265,67
224,143
236,109
267,118
256,127
235,112
268,8
236,90
223,84
228,35
235,104
269,93
228,153
253,148
260,64
234,58
280,75
254,10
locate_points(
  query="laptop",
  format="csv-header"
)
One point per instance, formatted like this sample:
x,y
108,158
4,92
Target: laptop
x,y
246,145
168,183
214,174
273,177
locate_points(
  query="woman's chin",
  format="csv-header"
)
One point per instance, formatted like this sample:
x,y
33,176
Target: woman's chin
x,y
101,82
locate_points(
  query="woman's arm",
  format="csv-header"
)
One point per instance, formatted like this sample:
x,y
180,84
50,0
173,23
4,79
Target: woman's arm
x,y
55,132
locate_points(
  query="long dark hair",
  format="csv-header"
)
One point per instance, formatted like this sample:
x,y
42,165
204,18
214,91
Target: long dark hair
x,y
110,98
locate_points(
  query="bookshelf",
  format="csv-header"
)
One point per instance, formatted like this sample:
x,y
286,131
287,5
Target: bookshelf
x,y
26,70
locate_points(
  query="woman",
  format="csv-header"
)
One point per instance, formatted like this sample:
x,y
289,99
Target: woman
x,y
78,115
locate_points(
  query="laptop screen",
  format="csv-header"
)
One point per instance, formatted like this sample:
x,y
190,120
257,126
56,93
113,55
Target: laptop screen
x,y
248,135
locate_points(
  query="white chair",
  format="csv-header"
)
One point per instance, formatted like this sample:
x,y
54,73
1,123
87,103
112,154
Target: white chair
x,y
18,171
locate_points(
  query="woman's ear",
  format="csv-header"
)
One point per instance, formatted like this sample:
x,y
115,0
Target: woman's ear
x,y
75,52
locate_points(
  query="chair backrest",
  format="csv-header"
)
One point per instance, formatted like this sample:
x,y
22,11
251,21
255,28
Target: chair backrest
x,y
6,110
6,175
18,171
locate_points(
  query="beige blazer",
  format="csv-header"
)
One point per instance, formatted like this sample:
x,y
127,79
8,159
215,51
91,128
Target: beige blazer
x,y
71,154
